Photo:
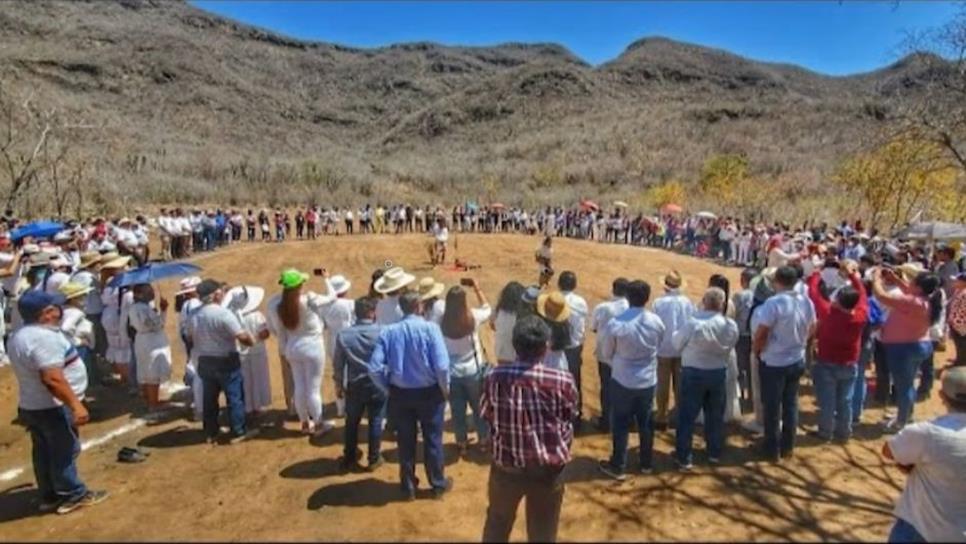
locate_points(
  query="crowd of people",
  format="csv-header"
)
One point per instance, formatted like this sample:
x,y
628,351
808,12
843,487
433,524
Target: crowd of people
x,y
843,305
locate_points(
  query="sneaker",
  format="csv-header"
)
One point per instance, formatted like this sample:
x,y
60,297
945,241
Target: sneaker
x,y
892,426
645,471
325,427
46,507
374,465
814,433
611,471
753,426
89,499
438,492
243,437
684,467
714,460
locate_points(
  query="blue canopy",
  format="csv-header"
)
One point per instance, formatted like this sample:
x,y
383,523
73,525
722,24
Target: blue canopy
x,y
37,229
153,272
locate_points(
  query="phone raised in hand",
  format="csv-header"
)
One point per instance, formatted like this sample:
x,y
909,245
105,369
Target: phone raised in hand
x,y
467,282
318,272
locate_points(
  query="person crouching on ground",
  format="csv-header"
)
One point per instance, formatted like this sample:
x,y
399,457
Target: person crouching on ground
x,y
527,460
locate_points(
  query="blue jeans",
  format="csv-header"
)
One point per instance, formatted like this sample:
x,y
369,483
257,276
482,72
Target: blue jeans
x,y
87,355
465,391
423,406
860,389
834,387
883,380
903,532
627,406
779,400
701,389
215,379
367,399
904,361
55,450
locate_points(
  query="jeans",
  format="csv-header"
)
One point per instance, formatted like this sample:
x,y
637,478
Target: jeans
x,y
627,406
465,391
574,362
743,353
364,398
834,388
779,399
543,489
701,390
215,379
87,355
883,380
423,406
927,375
55,450
904,361
603,370
903,532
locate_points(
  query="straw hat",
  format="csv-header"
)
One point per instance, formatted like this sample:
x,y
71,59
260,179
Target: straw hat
x,y
116,262
673,280
340,284
243,298
393,280
73,289
38,260
188,285
910,270
89,259
553,306
429,288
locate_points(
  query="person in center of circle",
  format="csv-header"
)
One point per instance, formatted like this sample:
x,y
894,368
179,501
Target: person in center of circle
x,y
467,362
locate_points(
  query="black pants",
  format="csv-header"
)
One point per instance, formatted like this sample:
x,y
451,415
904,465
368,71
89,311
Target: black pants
x,y
364,399
603,370
959,341
574,362
544,491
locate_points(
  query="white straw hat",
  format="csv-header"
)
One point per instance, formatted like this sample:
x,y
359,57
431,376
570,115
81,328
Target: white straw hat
x,y
393,280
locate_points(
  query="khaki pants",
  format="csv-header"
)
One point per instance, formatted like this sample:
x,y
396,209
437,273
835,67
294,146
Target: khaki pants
x,y
668,380
288,385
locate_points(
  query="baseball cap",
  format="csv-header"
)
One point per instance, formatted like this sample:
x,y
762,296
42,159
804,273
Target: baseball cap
x,y
208,286
292,278
954,383
33,302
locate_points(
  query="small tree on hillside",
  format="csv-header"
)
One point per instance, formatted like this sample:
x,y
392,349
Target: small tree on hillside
x,y
669,192
722,174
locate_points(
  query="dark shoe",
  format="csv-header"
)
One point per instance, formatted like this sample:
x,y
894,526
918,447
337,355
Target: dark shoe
x,y
346,465
610,470
789,454
89,499
660,427
601,425
374,465
409,495
438,492
818,435
252,433
46,507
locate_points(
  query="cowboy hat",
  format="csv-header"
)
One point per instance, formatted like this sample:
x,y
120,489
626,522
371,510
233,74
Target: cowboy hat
x,y
243,298
910,270
673,280
340,284
188,285
116,262
429,288
73,289
89,259
393,280
38,260
553,306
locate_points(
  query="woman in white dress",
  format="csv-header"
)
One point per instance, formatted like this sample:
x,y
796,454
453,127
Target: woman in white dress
x,y
118,352
296,320
256,379
152,351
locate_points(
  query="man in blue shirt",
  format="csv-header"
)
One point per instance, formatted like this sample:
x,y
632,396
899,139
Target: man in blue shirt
x,y
410,362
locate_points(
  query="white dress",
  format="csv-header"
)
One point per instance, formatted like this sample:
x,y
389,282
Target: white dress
x,y
118,343
256,378
151,348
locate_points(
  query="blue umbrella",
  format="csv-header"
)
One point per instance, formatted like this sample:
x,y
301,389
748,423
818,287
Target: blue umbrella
x,y
153,272
37,229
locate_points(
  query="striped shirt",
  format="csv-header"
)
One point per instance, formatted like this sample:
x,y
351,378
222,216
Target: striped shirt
x,y
530,409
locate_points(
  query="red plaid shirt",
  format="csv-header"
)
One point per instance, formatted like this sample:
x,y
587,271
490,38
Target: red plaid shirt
x,y
530,409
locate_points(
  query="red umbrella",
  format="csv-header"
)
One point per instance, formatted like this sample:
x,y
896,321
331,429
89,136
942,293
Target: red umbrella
x,y
589,205
497,206
671,208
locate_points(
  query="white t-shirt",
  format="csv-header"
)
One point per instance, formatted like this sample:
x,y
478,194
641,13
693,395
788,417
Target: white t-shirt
x,y
77,327
603,313
435,313
934,500
53,283
33,348
466,353
577,319
503,336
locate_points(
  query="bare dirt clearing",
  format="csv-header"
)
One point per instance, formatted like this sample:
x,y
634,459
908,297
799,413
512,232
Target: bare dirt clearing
x,y
281,486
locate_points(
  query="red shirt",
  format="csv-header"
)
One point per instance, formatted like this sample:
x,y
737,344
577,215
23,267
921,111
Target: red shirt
x,y
530,409
839,332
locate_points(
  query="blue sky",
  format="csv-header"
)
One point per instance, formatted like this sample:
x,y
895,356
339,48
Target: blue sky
x,y
829,37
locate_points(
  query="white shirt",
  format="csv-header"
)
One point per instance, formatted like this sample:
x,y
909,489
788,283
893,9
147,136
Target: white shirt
x,y
706,340
338,316
466,353
503,324
934,499
441,234
435,313
674,309
77,327
789,316
306,339
33,348
603,313
630,342
388,311
577,319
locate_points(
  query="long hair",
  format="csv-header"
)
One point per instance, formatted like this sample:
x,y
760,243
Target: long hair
x,y
288,309
511,297
929,283
457,319
721,282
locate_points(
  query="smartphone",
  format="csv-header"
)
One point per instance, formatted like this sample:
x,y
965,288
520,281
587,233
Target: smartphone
x,y
468,282
318,272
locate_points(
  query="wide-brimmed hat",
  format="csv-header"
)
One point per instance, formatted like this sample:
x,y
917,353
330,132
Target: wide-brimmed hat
x,y
290,278
910,270
340,284
243,298
429,288
73,289
188,285
117,262
673,279
89,259
553,306
63,236
38,260
530,295
392,280
58,260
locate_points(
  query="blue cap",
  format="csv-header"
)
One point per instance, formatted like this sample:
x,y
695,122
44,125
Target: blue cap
x,y
33,302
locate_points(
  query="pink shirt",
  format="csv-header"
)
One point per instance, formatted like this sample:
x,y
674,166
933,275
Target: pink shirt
x,y
908,319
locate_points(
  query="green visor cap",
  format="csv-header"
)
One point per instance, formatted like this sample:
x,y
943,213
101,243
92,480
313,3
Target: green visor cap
x,y
292,278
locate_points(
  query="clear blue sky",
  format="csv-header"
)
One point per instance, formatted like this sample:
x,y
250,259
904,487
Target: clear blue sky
x,y
829,37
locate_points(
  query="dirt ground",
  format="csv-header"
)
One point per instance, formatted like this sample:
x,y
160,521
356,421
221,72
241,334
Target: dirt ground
x,y
282,486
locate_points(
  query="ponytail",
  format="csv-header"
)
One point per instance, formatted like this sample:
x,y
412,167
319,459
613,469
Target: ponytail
x,y
935,306
929,285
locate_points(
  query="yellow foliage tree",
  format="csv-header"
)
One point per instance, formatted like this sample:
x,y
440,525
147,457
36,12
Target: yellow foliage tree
x,y
900,179
722,174
669,192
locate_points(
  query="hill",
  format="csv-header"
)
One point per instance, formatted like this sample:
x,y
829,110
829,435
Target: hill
x,y
189,106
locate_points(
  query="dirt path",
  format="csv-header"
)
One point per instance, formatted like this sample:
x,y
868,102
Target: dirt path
x,y
281,486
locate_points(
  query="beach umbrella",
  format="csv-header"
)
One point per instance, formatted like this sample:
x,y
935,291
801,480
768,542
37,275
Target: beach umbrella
x,y
933,230
706,215
671,208
153,272
497,206
37,229
589,205
621,204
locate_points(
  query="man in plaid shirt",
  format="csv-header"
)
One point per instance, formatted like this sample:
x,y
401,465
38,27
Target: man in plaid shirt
x,y
530,409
